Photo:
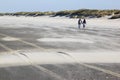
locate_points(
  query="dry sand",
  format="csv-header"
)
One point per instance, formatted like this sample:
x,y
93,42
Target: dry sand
x,y
52,57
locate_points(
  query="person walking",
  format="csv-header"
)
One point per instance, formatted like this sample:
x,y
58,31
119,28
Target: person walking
x,y
79,23
84,23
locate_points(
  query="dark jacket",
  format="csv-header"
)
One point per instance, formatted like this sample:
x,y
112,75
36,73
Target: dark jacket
x,y
84,21
79,21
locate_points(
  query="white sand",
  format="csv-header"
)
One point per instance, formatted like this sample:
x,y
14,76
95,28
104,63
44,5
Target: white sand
x,y
19,22
54,57
7,60
64,40
9,39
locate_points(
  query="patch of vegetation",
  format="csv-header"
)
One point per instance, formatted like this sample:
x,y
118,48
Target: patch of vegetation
x,y
115,16
87,13
63,13
71,13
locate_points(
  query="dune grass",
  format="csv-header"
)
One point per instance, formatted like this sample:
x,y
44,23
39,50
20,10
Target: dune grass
x,y
71,13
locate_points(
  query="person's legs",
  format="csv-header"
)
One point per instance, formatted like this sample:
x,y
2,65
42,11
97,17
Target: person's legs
x,y
83,25
79,26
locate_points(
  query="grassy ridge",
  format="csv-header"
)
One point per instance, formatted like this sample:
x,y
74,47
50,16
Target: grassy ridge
x,y
88,13
71,13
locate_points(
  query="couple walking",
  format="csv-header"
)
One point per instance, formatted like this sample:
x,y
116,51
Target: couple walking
x,y
83,22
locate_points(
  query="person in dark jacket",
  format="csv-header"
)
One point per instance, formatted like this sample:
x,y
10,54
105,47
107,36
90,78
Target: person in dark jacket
x,y
84,23
79,23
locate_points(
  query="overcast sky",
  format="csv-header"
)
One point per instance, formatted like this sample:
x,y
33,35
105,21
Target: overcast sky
x,y
56,5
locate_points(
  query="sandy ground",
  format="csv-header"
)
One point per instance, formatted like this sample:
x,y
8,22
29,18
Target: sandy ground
x,y
22,58
54,47
99,42
19,22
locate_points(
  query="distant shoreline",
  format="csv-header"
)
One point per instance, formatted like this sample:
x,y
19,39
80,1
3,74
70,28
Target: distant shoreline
x,y
89,13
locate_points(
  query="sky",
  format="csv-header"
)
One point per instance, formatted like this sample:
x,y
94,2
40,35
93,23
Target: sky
x,y
56,5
